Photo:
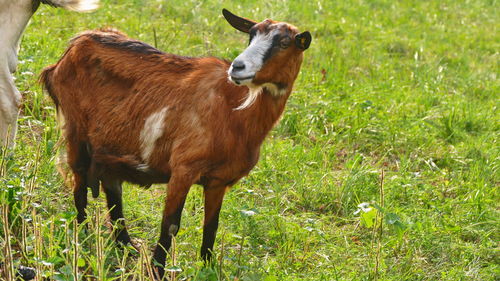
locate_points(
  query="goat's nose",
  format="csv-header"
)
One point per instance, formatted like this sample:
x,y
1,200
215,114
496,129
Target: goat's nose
x,y
238,65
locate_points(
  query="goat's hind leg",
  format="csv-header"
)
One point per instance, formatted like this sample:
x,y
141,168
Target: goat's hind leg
x,y
79,160
80,197
113,190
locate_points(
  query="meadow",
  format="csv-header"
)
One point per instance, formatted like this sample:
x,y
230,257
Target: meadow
x,y
385,165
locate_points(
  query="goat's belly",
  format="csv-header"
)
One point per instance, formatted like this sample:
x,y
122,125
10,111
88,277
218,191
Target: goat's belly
x,y
127,168
145,178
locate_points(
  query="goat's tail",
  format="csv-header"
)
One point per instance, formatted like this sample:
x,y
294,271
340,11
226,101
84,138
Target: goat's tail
x,y
46,80
74,5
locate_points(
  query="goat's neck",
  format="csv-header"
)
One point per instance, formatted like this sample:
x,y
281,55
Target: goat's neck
x,y
260,117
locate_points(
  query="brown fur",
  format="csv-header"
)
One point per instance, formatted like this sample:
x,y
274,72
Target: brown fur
x,y
107,85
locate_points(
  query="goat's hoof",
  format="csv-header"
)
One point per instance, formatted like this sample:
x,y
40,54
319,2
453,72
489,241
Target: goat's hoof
x,y
123,239
26,273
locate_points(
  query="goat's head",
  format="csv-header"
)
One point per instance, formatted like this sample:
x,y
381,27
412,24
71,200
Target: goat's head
x,y
273,56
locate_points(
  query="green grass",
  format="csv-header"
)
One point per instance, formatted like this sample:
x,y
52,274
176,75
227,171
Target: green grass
x,y
410,88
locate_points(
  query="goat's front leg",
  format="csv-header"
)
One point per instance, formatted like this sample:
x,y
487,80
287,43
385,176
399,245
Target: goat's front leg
x,y
113,190
178,188
213,203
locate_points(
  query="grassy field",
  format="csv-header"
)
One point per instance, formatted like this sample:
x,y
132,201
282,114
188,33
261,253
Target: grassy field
x,y
396,107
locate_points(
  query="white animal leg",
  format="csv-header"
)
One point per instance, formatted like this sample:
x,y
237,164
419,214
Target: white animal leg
x,y
10,99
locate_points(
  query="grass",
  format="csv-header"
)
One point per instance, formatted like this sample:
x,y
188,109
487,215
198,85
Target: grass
x,y
405,88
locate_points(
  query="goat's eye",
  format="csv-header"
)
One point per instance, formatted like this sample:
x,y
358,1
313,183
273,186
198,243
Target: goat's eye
x,y
285,43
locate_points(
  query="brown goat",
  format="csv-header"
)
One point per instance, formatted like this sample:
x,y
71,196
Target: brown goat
x,y
133,113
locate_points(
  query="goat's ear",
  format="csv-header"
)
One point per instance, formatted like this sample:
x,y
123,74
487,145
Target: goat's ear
x,y
303,40
242,24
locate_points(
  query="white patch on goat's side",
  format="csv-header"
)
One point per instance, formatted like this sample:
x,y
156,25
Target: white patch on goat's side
x,y
151,132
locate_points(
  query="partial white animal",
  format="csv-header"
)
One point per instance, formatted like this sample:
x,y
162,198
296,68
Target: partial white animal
x,y
14,16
